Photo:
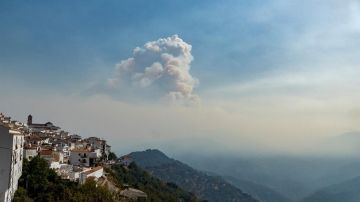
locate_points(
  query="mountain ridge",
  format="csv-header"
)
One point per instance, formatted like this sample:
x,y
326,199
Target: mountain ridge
x,y
258,191
348,191
210,188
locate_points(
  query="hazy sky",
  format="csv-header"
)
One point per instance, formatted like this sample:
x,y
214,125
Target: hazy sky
x,y
213,76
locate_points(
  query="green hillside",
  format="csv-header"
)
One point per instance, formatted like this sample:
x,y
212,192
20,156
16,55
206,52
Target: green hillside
x,y
40,183
210,188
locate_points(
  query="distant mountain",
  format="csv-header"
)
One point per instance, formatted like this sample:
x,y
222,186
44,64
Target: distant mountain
x,y
258,191
294,177
210,188
348,191
349,139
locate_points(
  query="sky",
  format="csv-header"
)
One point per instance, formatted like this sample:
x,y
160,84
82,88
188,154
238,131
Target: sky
x,y
205,76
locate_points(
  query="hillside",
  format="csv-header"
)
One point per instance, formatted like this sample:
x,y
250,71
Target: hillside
x,y
40,183
348,191
258,191
207,187
156,189
294,177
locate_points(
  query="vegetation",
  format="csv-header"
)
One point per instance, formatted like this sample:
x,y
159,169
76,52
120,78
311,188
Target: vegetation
x,y
211,188
112,156
40,183
156,189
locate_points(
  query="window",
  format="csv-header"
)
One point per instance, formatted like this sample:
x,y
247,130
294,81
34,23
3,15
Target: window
x,y
15,157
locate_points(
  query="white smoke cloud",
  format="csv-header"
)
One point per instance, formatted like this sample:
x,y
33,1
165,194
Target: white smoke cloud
x,y
162,66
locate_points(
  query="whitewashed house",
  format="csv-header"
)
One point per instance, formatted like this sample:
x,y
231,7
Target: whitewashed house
x,y
11,156
69,172
52,156
80,157
64,148
84,157
97,143
96,173
30,152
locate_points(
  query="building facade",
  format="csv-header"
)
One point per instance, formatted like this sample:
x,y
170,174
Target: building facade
x,y
96,173
81,157
11,155
30,152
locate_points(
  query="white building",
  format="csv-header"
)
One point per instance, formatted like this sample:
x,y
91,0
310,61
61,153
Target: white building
x,y
11,155
52,156
82,157
96,173
96,154
62,147
30,152
69,172
97,143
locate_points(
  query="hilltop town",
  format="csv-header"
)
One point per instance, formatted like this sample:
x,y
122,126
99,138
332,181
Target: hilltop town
x,y
86,169
72,157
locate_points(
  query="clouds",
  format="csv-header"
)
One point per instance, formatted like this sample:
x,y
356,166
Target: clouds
x,y
160,68
271,73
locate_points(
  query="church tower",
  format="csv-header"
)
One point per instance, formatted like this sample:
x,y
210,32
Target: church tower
x,y
29,121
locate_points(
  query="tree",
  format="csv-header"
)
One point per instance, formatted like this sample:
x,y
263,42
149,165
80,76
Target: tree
x,y
40,183
112,156
21,196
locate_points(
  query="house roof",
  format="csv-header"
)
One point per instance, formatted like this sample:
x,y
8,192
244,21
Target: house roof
x,y
14,127
48,125
93,170
30,147
46,152
12,131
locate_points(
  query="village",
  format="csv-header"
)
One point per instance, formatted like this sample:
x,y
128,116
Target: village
x,y
69,155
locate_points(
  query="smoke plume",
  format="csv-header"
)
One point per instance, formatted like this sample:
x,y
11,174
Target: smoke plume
x,y
161,66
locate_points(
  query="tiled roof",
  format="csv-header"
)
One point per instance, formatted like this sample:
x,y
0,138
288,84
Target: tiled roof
x,y
46,152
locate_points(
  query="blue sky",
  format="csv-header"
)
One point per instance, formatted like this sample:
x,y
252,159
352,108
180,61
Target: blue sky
x,y
269,74
81,41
